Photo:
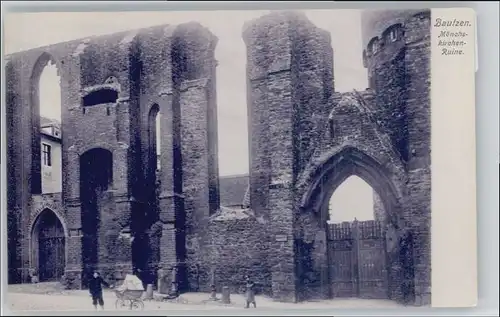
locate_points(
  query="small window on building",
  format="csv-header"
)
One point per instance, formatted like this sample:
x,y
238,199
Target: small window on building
x,y
393,35
47,159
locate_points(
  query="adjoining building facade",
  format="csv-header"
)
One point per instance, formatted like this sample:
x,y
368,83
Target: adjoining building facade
x,y
118,211
51,156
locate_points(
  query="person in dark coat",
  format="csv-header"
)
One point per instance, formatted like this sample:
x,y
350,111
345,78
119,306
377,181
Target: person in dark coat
x,y
95,289
250,293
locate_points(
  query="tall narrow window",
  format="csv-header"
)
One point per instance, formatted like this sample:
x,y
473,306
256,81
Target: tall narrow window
x,y
46,152
154,138
393,35
158,141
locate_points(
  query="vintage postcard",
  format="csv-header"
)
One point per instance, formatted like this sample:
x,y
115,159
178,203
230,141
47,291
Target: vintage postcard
x,y
248,160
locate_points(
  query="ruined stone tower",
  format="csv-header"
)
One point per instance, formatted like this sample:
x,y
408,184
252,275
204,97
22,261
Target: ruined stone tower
x,y
290,79
397,56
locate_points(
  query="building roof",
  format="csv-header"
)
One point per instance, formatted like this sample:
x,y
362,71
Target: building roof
x,y
47,122
47,126
233,189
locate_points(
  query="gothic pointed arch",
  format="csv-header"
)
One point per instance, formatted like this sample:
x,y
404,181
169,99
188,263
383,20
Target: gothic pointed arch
x,y
48,246
323,179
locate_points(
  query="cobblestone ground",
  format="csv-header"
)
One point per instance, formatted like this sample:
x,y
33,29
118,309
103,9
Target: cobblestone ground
x,y
49,298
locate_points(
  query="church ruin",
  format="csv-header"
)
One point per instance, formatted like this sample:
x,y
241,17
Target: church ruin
x,y
117,211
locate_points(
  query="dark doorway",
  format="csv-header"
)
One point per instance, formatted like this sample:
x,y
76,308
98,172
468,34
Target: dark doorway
x,y
51,246
96,174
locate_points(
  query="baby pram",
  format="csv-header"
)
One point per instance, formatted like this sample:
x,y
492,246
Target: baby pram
x,y
128,295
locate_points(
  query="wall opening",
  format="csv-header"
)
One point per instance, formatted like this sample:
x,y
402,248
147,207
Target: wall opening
x,y
96,175
341,247
48,247
154,150
46,102
155,135
101,96
353,199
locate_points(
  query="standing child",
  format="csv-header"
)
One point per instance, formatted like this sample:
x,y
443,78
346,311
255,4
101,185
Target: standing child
x,y
33,276
250,293
95,289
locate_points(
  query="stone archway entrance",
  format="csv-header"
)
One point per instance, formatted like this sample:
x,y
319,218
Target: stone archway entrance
x,y
48,246
351,259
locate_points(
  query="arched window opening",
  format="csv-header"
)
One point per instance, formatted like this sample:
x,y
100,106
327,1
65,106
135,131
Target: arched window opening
x,y
353,199
154,131
50,93
49,103
101,96
393,33
373,46
158,141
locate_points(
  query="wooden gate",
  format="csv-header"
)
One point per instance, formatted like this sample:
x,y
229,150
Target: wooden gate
x,y
51,251
357,259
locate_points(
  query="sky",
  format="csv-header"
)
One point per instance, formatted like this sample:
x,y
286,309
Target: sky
x,y
29,30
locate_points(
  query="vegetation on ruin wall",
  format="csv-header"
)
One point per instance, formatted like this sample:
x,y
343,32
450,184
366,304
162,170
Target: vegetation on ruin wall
x,y
390,100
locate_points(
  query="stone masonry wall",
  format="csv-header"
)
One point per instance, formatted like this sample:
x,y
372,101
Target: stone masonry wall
x,y
157,89
15,200
312,68
23,72
236,245
386,68
378,207
418,111
194,49
108,126
271,70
